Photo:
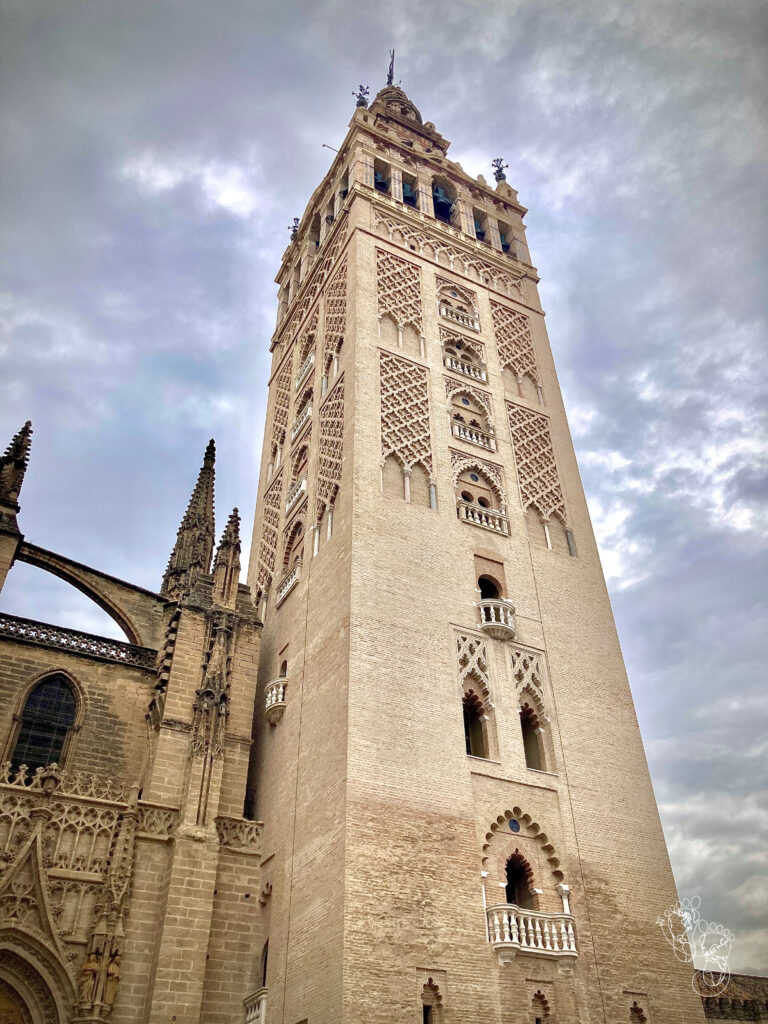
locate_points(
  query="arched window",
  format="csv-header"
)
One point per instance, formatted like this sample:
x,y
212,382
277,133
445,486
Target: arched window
x,y
264,958
474,725
284,670
443,200
529,724
540,1008
489,588
518,891
49,713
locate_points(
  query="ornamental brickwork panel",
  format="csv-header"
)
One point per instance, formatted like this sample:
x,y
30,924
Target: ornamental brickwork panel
x,y
335,314
399,288
270,524
405,429
331,448
473,664
449,255
514,342
535,460
307,339
282,404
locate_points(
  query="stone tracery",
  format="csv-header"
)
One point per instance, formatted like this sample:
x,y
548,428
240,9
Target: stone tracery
x,y
535,460
514,342
450,255
405,431
269,534
335,314
331,448
399,290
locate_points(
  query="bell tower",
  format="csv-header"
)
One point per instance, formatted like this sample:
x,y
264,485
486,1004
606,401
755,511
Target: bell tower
x,y
459,823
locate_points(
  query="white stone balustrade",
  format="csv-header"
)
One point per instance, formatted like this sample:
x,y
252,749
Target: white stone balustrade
x,y
288,582
295,491
256,1007
304,415
457,317
497,618
474,435
487,518
466,368
512,930
306,366
275,703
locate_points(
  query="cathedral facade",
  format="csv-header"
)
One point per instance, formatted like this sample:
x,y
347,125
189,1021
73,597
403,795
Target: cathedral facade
x,y
398,777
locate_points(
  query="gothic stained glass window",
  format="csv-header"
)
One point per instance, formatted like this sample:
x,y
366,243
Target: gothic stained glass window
x,y
49,714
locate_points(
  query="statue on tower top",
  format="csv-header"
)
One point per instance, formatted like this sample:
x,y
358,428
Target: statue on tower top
x,y
391,71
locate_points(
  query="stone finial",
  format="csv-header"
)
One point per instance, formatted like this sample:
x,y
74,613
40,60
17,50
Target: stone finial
x,y
13,465
193,550
498,168
226,566
362,95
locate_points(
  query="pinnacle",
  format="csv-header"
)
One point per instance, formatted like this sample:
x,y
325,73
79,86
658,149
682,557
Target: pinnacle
x,y
231,534
13,463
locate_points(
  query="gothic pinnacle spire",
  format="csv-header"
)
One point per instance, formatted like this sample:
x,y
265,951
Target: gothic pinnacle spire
x,y
13,466
192,552
226,566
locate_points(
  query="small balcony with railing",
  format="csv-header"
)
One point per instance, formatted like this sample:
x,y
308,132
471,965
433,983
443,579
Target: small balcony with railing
x,y
497,618
305,369
513,930
485,517
295,491
473,435
274,700
301,421
288,581
475,371
256,1007
468,320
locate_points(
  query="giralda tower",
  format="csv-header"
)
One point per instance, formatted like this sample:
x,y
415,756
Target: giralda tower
x,y
459,824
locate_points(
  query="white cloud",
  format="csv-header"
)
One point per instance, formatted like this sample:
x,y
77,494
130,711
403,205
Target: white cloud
x,y
225,186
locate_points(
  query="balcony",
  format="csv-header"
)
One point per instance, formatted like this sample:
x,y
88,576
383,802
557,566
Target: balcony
x,y
274,704
467,369
295,491
456,316
512,931
474,435
306,366
256,1007
486,518
301,422
288,582
497,618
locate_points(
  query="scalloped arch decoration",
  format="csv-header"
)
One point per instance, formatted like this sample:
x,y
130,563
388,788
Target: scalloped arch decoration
x,y
533,831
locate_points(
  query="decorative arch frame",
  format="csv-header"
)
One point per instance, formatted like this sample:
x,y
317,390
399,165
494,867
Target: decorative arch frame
x,y
296,458
468,297
533,831
449,337
462,463
539,1001
455,387
290,534
81,707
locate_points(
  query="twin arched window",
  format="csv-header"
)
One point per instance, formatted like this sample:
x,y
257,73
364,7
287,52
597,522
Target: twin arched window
x,y
48,715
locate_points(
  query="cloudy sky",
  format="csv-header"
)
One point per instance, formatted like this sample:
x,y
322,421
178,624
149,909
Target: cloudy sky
x,y
154,153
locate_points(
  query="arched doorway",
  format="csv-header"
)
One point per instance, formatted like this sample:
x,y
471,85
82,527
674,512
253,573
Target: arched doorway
x,y
13,1010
